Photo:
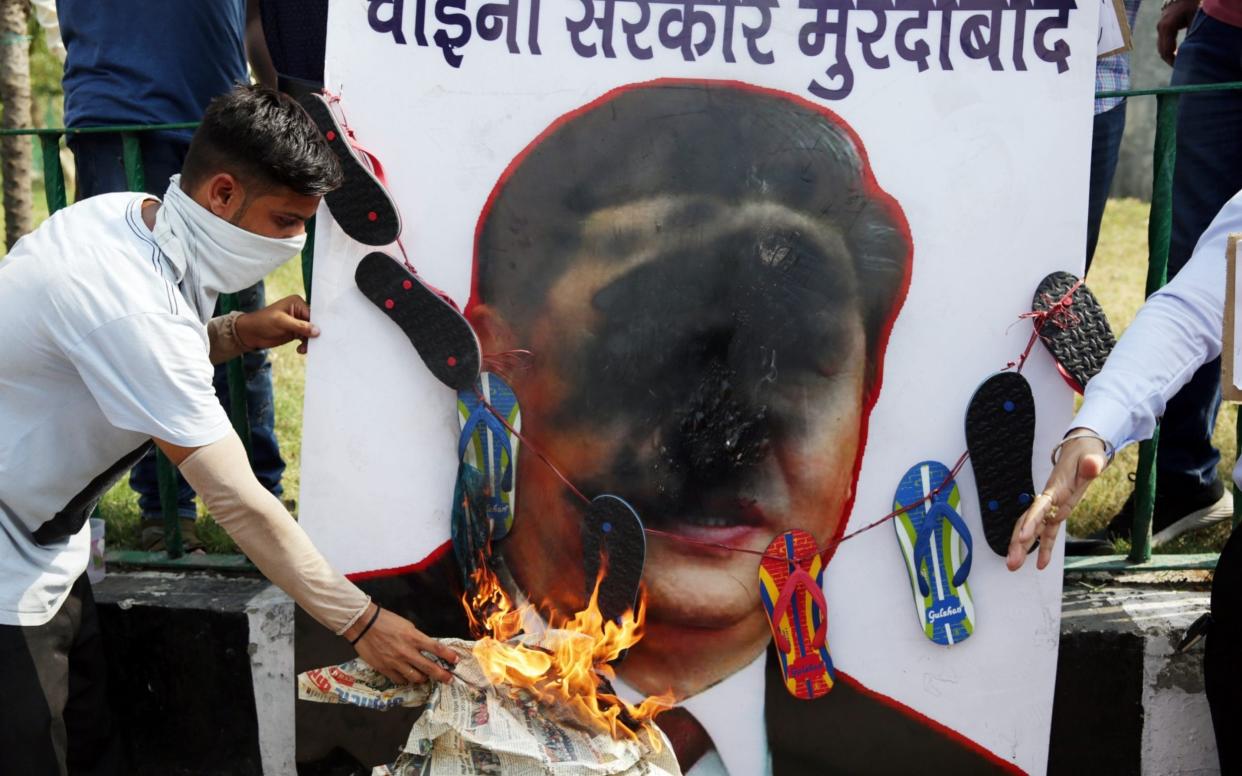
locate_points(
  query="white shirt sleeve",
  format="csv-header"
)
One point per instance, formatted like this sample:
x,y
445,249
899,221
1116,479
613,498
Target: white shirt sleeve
x,y
150,373
1176,331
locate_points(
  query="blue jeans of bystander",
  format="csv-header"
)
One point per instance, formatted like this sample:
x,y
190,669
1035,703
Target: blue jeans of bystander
x,y
1208,171
1105,144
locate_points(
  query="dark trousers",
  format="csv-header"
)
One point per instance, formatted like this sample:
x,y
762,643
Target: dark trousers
x,y
1222,669
101,170
1106,135
54,716
1208,171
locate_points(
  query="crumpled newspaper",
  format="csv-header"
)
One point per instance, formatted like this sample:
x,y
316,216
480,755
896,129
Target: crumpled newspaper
x,y
471,727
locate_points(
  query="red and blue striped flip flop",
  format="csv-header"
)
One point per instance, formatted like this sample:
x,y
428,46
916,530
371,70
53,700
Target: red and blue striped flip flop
x,y
791,586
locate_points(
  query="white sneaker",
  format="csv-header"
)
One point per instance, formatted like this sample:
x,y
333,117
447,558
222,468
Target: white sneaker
x,y
1202,518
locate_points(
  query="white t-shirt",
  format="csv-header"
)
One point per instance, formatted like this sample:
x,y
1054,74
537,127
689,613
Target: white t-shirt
x,y
99,352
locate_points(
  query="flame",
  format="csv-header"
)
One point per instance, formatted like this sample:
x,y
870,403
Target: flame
x,y
565,668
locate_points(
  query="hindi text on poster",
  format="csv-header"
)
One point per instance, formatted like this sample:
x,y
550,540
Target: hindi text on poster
x,y
924,33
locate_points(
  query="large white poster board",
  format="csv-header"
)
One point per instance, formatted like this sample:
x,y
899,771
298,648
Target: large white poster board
x,y
974,117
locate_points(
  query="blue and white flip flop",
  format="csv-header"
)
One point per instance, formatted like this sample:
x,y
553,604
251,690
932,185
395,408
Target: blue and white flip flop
x,y
932,536
489,447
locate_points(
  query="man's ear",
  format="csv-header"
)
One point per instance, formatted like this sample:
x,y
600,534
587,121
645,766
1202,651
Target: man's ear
x,y
495,334
222,194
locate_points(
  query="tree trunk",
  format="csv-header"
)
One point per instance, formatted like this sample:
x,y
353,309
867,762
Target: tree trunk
x,y
16,152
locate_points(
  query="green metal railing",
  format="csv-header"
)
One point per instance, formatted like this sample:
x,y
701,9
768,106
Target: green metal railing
x,y
1159,230
135,176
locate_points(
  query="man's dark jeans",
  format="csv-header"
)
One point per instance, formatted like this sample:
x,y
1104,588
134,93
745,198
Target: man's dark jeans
x,y
55,715
1106,135
100,170
1208,171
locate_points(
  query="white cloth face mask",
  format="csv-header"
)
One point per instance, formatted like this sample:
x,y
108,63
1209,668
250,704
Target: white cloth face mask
x,y
212,256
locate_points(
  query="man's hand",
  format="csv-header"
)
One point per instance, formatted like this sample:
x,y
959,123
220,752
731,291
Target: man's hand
x,y
1175,17
394,647
276,324
1081,461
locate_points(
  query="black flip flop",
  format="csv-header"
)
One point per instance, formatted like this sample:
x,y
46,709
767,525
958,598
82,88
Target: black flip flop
x,y
1000,435
1077,334
362,205
441,335
613,538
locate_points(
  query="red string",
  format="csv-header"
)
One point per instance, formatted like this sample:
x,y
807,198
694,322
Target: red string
x,y
508,361
1021,362
532,447
1060,313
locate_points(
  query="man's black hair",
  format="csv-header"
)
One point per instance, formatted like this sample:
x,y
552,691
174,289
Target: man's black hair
x,y
259,135
724,152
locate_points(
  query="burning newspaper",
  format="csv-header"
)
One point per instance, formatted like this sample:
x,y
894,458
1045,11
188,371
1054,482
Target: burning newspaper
x,y
472,727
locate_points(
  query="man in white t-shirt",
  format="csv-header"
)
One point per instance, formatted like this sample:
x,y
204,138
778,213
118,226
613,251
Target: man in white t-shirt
x,y
108,347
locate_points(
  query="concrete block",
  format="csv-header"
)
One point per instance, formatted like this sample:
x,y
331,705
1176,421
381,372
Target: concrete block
x,y
180,679
202,672
1125,702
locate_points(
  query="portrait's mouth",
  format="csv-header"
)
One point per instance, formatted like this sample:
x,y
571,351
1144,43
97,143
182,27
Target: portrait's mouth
x,y
733,521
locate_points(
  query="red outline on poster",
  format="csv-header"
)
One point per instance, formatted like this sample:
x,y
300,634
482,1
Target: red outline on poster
x,y
931,724
432,558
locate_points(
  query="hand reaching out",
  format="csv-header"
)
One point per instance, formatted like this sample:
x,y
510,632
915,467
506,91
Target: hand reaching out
x,y
1083,457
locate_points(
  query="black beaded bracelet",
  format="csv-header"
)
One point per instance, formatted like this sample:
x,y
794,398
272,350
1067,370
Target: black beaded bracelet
x,y
366,627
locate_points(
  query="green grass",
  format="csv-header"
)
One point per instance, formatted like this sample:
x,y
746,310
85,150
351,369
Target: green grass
x,y
1117,278
1118,275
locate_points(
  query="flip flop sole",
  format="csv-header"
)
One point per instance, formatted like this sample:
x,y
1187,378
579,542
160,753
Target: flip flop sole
x,y
491,455
1000,435
440,334
808,671
947,614
613,539
1081,346
361,205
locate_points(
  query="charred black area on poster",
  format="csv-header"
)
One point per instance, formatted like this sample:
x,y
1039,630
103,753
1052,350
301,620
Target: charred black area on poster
x,y
690,348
